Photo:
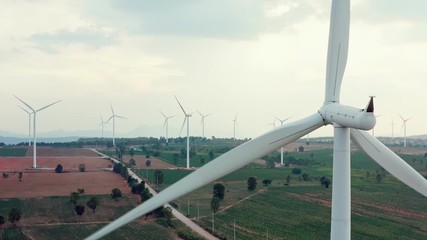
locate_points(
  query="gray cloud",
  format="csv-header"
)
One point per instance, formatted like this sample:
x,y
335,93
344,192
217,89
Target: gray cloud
x,y
48,42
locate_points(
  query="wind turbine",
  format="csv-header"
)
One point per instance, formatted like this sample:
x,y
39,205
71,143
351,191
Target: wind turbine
x,y
234,127
347,122
186,119
392,130
404,129
29,124
373,129
166,124
102,124
34,127
114,116
202,121
273,123
281,149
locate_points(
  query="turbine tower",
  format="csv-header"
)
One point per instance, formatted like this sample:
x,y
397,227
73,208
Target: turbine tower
x,y
273,123
202,121
114,116
281,149
186,119
234,127
347,122
404,129
29,124
34,127
166,124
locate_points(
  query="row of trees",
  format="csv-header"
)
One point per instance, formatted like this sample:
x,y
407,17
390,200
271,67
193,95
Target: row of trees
x,y
6,175
14,216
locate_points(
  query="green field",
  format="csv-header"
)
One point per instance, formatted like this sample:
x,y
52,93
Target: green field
x,y
12,152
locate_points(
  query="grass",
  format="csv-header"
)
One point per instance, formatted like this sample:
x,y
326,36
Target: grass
x,y
12,152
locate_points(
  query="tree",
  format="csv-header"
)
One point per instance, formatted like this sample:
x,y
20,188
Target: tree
x,y
137,189
215,204
183,153
93,203
82,167
218,191
131,152
379,178
5,175
1,220
211,155
296,170
132,162
202,160
271,163
192,151
74,197
288,179
305,177
14,215
167,213
301,149
251,183
20,176
59,168
267,182
175,158
80,209
148,163
324,181
116,194
145,195
159,177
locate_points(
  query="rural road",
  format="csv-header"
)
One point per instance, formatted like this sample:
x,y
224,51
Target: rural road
x,y
192,225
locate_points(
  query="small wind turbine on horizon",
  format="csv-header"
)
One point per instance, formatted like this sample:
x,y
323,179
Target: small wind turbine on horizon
x,y
281,149
102,124
202,122
34,127
166,124
29,124
273,123
234,127
114,116
349,123
186,119
404,129
392,130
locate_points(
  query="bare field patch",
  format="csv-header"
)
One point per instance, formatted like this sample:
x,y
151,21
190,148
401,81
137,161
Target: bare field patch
x,y
155,162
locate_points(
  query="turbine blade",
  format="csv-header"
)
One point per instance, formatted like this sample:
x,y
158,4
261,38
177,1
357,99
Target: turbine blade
x,y
224,164
109,119
164,124
201,115
120,117
163,114
337,49
24,110
48,106
112,110
389,161
180,105
24,103
183,123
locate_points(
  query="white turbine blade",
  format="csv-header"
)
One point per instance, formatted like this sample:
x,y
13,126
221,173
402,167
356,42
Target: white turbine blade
x,y
401,118
120,117
24,103
183,123
48,106
389,161
112,110
201,115
24,110
337,49
180,105
224,164
109,119
163,114
164,124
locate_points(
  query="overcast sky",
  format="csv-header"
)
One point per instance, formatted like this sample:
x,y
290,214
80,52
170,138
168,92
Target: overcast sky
x,y
257,59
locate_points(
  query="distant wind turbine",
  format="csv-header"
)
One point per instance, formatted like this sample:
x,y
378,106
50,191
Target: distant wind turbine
x,y
404,129
234,127
166,124
281,149
373,129
273,123
114,116
202,121
186,119
34,127
102,124
29,124
392,130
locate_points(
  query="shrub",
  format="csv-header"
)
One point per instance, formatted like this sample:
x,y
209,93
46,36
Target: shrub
x,y
82,167
296,170
59,168
5,175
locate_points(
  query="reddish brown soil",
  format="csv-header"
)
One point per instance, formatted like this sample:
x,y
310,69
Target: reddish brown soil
x,y
58,152
10,164
155,162
43,183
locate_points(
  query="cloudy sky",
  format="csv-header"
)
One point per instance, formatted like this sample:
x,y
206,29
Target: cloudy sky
x,y
257,59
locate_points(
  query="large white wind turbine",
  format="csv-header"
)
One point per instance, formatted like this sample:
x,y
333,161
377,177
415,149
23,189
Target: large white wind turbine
x,y
186,119
34,128
347,122
166,124
281,149
404,129
29,124
202,121
234,127
114,116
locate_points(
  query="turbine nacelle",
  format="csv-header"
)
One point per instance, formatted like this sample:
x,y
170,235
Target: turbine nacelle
x,y
350,117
